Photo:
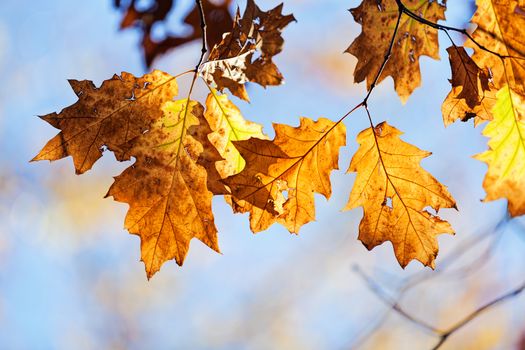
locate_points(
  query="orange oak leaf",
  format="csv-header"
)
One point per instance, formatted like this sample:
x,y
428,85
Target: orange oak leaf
x,y
112,115
472,94
394,191
501,28
413,39
166,188
282,175
245,54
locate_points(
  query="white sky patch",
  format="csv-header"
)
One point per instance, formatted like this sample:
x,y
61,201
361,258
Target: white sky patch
x,y
4,45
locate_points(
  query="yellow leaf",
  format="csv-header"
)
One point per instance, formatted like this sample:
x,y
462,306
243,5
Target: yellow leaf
x,y
413,40
394,191
228,125
121,109
505,177
166,188
282,175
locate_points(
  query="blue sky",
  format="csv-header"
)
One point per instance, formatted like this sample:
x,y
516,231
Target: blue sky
x,y
70,275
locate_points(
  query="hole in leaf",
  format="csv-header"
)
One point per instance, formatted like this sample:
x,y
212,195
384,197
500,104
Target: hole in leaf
x,y
430,210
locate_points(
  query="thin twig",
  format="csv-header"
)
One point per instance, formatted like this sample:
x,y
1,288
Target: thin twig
x,y
445,28
204,48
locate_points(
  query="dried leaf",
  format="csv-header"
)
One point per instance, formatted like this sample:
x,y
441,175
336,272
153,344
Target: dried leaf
x,y
110,116
166,188
505,177
233,61
413,39
394,192
281,176
472,94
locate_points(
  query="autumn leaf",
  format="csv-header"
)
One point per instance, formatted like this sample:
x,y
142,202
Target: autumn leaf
x,y
506,155
501,28
394,192
282,175
413,39
166,188
112,115
228,125
245,54
472,94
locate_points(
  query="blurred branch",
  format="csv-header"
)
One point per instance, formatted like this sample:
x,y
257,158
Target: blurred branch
x,y
463,248
394,305
443,334
513,293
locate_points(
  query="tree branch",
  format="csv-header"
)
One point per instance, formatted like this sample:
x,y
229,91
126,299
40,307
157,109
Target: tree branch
x,y
443,334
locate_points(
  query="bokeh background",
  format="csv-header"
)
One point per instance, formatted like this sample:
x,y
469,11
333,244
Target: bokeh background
x,y
70,276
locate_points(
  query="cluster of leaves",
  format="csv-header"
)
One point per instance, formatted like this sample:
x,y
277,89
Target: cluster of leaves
x,y
187,152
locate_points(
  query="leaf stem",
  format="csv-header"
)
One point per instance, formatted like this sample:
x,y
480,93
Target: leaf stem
x,y
385,60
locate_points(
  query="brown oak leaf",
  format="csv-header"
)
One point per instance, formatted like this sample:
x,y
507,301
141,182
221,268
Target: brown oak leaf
x,y
413,39
282,175
245,54
472,94
394,191
121,109
166,188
